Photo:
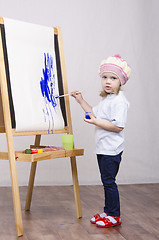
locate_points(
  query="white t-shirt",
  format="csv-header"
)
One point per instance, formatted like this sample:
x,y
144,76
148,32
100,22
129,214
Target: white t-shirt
x,y
113,109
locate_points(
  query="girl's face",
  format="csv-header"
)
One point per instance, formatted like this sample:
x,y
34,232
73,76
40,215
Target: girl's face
x,y
110,82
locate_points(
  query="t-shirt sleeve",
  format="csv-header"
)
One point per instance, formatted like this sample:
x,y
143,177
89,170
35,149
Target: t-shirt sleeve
x,y
119,114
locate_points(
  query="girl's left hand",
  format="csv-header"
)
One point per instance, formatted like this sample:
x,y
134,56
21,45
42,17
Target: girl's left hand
x,y
91,120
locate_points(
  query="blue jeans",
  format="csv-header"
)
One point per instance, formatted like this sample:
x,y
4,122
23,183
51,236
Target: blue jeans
x,y
109,166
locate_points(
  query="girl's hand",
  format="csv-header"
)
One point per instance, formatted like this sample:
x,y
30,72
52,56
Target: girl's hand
x,y
77,95
92,119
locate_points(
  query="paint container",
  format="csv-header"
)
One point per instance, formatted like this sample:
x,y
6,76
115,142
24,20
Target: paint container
x,y
33,151
67,141
28,151
87,115
40,150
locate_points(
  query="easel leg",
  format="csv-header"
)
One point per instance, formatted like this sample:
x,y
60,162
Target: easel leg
x,y
30,186
32,177
10,144
16,196
76,187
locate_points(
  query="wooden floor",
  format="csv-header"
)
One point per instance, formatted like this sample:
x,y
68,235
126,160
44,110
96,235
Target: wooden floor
x,y
53,217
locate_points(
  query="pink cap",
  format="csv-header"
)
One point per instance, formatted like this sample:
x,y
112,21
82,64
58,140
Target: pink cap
x,y
116,65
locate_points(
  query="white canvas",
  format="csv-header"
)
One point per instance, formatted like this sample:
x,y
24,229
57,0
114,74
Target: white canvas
x,y
33,76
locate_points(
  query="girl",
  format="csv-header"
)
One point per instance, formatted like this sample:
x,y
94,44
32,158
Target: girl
x,y
109,118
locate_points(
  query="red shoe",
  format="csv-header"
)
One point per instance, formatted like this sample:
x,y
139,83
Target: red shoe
x,y
109,221
98,217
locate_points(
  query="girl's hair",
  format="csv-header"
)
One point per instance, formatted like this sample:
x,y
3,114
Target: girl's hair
x,y
103,93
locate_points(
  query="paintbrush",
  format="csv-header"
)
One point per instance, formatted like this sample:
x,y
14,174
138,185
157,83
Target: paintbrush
x,y
67,94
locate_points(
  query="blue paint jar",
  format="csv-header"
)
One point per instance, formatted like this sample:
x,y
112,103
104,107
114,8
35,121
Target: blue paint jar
x,y
87,115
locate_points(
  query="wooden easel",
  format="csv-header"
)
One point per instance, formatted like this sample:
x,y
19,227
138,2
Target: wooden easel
x,y
12,155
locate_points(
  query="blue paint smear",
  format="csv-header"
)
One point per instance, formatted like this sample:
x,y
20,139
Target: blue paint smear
x,y
47,85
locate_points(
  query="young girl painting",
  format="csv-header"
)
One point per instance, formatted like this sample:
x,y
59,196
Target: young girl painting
x,y
109,118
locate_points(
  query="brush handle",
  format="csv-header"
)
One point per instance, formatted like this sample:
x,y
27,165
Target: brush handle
x,y
68,94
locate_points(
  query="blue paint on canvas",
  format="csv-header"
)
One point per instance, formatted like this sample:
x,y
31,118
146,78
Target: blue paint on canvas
x,y
47,85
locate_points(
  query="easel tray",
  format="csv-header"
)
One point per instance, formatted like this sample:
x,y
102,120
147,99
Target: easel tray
x,y
22,156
